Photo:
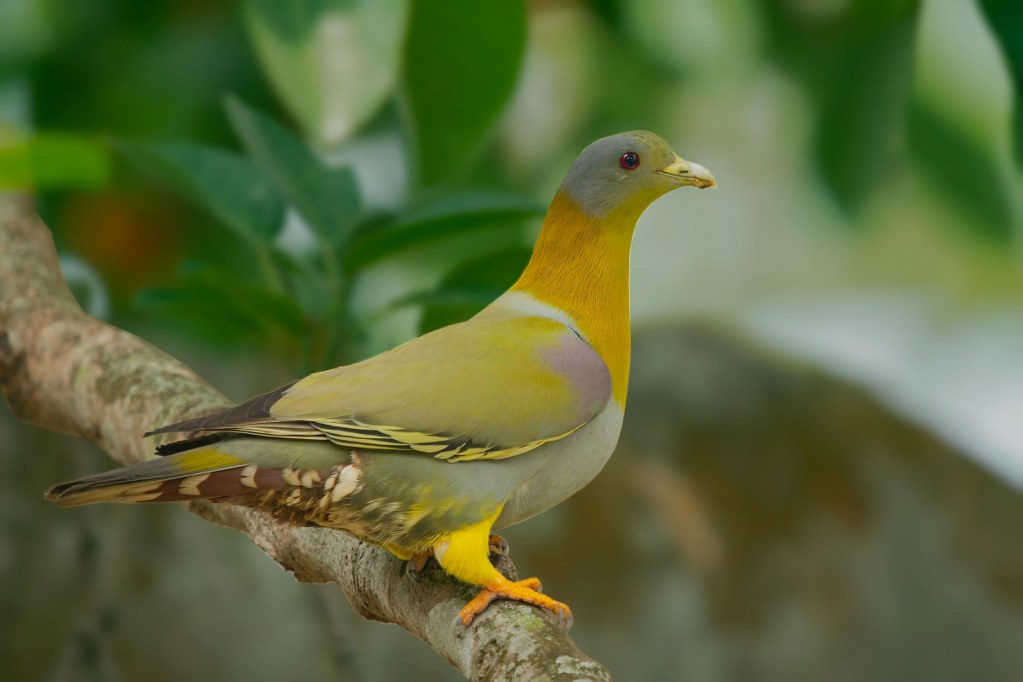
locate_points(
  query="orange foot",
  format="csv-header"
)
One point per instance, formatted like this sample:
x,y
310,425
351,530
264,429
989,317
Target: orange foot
x,y
523,590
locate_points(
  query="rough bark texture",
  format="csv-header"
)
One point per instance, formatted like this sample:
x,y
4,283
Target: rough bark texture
x,y
66,371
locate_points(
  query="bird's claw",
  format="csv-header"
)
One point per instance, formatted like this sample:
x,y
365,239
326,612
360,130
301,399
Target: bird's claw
x,y
527,590
415,566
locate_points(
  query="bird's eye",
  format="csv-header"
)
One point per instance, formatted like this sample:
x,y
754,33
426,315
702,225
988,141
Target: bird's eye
x,y
629,161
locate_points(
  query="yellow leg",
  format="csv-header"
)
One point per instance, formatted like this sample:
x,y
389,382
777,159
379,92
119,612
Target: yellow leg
x,y
465,554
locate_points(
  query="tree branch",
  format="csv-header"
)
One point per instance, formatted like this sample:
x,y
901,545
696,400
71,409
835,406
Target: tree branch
x,y
66,371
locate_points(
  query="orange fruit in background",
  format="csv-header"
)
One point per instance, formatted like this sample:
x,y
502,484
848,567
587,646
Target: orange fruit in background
x,y
132,240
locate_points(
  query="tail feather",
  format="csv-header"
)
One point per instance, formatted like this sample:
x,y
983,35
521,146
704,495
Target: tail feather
x,y
198,474
296,485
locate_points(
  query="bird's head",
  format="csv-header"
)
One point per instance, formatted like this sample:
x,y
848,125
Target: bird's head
x,y
623,174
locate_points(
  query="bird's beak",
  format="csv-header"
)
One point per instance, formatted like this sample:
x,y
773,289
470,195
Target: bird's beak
x,y
687,173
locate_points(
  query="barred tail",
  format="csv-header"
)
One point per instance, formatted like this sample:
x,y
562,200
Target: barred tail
x,y
204,473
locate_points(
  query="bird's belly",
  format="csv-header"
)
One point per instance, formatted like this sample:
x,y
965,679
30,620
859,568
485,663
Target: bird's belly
x,y
408,500
562,468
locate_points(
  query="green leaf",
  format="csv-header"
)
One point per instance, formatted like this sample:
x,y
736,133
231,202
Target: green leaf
x,y
469,288
199,313
960,169
210,295
1006,20
275,310
225,184
856,65
327,199
332,62
462,59
48,160
440,219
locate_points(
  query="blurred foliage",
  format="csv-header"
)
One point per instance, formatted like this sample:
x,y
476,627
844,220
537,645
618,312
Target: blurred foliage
x,y
1006,20
53,160
224,183
334,63
436,76
856,66
326,198
460,67
436,220
950,158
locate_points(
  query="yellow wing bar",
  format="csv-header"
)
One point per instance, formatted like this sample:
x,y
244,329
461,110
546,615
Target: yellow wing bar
x,y
354,434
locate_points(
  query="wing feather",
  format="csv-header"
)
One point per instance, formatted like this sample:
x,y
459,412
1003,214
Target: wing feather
x,y
483,389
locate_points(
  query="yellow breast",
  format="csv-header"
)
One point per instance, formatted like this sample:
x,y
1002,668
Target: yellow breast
x,y
580,265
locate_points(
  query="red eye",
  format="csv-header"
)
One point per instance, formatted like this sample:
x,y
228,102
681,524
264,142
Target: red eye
x,y
629,161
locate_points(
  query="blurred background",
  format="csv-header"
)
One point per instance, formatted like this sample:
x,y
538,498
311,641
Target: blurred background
x,y
820,472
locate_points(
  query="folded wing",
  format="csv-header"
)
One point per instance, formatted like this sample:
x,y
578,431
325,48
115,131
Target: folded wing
x,y
484,389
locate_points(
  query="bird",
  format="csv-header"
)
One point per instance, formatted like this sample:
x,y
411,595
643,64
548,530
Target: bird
x,y
428,448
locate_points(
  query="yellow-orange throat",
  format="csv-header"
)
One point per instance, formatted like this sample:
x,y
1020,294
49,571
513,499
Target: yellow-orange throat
x,y
580,265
